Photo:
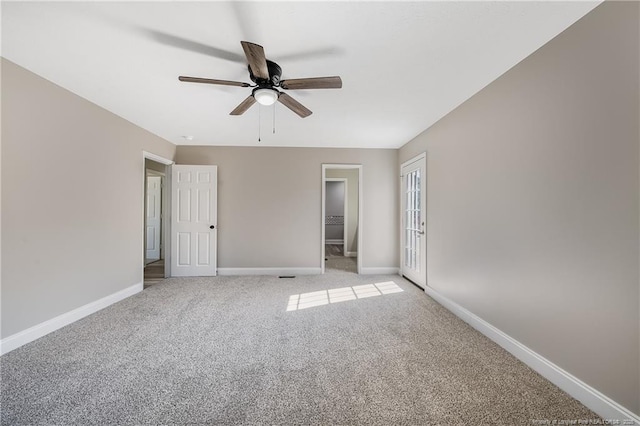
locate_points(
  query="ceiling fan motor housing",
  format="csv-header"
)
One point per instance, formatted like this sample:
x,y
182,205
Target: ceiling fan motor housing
x,y
274,75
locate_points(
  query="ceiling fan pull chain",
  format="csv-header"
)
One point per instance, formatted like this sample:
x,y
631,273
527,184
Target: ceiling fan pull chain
x,y
259,120
274,119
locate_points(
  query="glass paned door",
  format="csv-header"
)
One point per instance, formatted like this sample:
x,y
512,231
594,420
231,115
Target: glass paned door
x,y
413,221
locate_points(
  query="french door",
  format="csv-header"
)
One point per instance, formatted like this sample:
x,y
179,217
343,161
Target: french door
x,y
194,220
414,241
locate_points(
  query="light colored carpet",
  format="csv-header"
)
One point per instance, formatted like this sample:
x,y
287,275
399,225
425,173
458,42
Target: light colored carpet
x,y
335,260
263,350
341,264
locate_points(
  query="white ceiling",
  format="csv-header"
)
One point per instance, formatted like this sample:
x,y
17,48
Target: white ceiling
x,y
404,65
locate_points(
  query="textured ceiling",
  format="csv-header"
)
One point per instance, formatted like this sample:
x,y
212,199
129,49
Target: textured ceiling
x,y
404,65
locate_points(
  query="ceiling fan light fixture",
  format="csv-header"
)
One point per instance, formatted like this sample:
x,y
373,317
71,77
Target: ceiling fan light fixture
x,y
266,96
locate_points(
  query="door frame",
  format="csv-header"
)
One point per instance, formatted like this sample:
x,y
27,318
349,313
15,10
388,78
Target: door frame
x,y
325,167
345,210
420,157
165,209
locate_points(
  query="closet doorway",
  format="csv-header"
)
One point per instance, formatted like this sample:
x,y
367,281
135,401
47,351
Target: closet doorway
x,y
156,203
341,218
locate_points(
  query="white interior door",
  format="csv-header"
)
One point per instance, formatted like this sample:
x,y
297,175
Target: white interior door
x,y
194,220
414,241
153,207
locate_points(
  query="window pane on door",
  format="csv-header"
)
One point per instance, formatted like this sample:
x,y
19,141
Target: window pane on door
x,y
412,219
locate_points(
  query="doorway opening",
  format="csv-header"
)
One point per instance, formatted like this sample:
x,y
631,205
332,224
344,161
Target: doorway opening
x,y
336,226
155,234
341,218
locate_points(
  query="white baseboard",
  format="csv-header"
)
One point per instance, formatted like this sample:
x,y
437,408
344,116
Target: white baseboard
x,y
590,397
32,333
351,254
390,270
269,271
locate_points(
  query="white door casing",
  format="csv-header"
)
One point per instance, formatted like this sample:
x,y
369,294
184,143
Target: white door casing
x,y
413,214
360,223
153,217
194,220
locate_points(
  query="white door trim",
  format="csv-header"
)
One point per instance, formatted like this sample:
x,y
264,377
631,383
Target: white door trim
x,y
360,210
413,160
166,208
158,159
418,158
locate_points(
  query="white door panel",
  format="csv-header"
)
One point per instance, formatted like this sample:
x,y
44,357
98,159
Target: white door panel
x,y
414,241
154,191
194,217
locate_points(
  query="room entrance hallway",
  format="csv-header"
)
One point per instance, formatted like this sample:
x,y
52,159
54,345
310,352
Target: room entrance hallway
x,y
156,202
337,348
341,214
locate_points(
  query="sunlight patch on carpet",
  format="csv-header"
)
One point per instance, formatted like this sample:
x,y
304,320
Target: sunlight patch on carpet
x,y
337,295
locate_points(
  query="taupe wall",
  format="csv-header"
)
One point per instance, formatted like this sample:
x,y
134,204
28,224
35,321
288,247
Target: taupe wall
x,y
72,200
352,204
269,204
532,202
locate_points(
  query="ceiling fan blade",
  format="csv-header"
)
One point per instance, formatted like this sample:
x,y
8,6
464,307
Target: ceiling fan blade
x,y
311,54
212,81
244,105
193,46
256,59
334,82
294,105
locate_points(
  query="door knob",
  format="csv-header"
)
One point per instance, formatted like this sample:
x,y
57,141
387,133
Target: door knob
x,y
212,227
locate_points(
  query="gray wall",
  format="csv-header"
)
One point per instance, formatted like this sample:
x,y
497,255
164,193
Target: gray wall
x,y
352,204
269,203
532,202
72,200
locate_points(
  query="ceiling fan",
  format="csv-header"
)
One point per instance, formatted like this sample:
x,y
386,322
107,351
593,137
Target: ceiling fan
x,y
266,76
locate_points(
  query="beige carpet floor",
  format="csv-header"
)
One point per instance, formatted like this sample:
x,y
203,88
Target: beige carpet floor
x,y
336,262
336,349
